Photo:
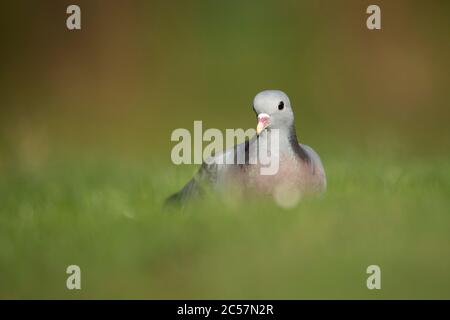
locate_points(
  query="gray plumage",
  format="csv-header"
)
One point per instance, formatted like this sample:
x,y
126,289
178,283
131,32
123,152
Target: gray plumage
x,y
299,167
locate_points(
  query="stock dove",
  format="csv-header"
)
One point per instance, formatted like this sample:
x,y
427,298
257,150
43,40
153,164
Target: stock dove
x,y
297,168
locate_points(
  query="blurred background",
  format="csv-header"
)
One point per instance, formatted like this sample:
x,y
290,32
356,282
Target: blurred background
x,y
140,69
96,107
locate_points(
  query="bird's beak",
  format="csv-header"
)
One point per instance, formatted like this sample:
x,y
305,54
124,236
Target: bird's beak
x,y
263,122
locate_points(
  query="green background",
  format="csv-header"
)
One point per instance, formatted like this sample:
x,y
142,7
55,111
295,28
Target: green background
x,y
85,124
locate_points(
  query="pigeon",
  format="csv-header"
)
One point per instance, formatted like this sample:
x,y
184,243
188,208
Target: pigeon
x,y
299,169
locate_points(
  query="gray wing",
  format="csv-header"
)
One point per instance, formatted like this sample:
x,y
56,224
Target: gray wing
x,y
212,172
316,166
194,187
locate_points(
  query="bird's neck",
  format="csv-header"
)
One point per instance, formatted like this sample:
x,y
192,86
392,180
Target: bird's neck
x,y
288,142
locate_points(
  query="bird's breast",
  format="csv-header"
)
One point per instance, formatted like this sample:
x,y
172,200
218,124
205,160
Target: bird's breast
x,y
290,172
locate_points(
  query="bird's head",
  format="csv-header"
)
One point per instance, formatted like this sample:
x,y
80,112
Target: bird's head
x,y
273,109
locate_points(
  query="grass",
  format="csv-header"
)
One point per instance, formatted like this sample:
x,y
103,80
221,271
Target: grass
x,y
107,218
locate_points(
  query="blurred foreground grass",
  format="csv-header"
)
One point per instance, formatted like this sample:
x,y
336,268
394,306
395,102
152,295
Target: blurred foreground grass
x,y
107,218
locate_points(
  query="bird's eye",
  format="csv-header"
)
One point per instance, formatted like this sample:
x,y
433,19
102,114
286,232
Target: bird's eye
x,y
281,105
